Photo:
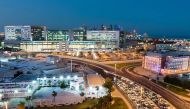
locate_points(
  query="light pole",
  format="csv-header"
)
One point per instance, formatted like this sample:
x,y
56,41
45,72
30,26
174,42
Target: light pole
x,y
115,68
142,91
71,65
6,104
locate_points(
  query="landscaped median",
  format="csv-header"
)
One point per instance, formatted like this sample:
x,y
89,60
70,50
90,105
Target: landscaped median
x,y
177,90
120,65
118,103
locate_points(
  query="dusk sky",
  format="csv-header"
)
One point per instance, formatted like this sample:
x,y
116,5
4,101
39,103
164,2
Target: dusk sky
x,y
156,17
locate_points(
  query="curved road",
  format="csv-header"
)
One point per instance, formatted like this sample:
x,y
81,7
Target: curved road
x,y
127,72
172,98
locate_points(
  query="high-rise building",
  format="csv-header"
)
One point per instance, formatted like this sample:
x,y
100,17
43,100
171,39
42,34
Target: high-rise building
x,y
39,33
18,33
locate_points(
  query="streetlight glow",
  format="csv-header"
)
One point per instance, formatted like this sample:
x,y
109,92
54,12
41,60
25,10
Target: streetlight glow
x,y
61,77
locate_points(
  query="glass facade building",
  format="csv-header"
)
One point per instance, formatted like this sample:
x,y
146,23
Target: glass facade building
x,y
58,35
38,33
43,46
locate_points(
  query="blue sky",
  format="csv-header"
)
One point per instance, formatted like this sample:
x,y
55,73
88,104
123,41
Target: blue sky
x,y
156,17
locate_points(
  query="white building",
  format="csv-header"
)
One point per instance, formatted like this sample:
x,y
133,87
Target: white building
x,y
75,82
43,46
18,33
177,63
168,46
19,89
167,62
108,36
153,62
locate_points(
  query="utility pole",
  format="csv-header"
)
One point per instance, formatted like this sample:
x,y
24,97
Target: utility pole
x,y
142,91
71,65
115,68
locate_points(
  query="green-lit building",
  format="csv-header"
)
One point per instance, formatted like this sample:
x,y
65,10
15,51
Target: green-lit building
x,y
58,35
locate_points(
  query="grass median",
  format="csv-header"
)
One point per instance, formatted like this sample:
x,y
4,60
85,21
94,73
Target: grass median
x,y
120,65
175,89
88,104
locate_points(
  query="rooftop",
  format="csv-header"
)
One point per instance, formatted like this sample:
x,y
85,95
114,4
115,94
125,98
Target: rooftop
x,y
95,80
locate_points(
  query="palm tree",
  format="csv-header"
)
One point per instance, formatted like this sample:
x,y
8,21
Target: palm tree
x,y
54,94
97,89
49,83
27,101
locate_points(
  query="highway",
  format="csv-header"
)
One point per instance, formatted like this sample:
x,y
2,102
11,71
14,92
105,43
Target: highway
x,y
173,99
127,72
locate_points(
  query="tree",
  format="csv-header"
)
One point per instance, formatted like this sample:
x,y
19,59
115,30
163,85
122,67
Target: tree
x,y
82,94
54,94
97,89
104,102
49,83
27,101
108,84
63,85
59,82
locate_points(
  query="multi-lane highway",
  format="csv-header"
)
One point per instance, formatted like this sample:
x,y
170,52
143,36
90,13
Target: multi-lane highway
x,y
127,72
176,101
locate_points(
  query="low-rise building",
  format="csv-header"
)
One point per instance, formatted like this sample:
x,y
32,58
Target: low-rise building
x,y
17,89
43,46
166,62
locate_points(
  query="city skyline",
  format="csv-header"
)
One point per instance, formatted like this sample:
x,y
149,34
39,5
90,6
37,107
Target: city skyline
x,y
158,18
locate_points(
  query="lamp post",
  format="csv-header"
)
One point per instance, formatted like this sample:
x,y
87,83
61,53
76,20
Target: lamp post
x,y
71,65
6,104
115,68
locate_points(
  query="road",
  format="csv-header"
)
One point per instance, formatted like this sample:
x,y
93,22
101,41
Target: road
x,y
117,93
172,98
127,72
120,62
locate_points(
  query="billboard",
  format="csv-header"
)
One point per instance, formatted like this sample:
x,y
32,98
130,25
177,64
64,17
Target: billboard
x,y
103,35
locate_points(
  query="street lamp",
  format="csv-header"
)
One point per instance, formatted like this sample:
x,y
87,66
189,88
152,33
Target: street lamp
x,y
54,78
33,82
6,104
61,77
115,67
75,77
71,65
16,91
68,77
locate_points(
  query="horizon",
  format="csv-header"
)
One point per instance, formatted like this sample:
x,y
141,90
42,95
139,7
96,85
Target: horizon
x,y
157,18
